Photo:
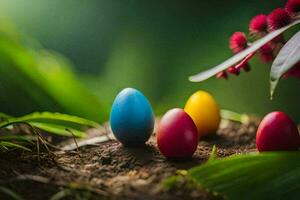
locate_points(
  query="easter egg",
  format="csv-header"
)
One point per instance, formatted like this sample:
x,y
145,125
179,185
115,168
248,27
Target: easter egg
x,y
277,132
131,118
177,135
204,111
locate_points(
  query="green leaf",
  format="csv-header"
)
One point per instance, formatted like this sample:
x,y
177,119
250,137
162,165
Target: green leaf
x,y
61,130
234,116
240,56
54,123
273,175
7,145
288,56
52,117
4,115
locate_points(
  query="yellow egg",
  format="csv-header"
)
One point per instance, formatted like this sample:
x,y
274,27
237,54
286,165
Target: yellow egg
x,y
204,111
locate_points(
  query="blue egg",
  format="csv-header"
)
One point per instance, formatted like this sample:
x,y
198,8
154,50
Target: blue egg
x,y
131,117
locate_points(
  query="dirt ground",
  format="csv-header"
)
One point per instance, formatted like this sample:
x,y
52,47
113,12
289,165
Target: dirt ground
x,y
110,171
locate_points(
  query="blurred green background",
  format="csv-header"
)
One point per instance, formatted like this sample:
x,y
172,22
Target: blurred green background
x,y
109,45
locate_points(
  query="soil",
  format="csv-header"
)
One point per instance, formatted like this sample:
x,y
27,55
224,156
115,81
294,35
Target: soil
x,y
111,171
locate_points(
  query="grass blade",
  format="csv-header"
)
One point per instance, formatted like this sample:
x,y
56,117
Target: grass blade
x,y
7,145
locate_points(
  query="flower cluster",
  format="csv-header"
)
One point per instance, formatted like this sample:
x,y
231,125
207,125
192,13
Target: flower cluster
x,y
259,26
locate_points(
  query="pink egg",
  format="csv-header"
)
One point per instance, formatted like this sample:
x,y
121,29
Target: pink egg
x,y
277,132
177,135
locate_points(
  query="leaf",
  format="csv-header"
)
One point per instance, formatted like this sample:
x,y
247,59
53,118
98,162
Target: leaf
x,y
234,116
53,117
288,56
4,115
54,123
59,129
240,56
272,175
7,145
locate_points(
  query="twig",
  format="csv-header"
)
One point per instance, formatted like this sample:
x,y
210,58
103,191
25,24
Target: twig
x,y
35,178
36,131
39,136
38,148
74,139
91,141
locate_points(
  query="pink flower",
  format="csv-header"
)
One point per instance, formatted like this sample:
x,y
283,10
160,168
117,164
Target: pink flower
x,y
233,70
258,24
293,7
222,74
293,72
278,39
238,42
244,63
246,67
278,18
266,53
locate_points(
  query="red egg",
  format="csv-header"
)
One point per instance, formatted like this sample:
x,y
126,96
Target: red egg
x,y
277,132
177,135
